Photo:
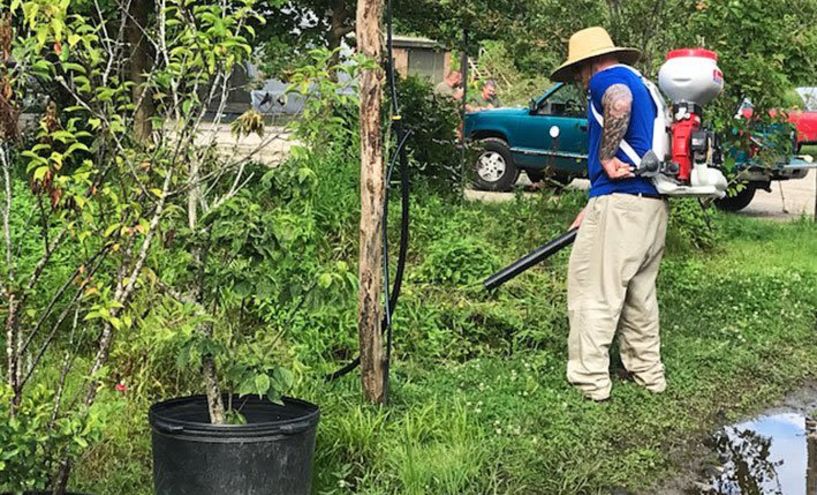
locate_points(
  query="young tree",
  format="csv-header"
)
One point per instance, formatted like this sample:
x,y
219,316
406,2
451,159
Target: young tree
x,y
99,193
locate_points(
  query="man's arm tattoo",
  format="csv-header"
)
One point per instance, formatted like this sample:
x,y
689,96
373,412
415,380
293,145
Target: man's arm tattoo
x,y
618,105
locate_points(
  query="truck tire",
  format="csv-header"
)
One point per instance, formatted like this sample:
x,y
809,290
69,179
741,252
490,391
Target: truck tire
x,y
494,169
737,202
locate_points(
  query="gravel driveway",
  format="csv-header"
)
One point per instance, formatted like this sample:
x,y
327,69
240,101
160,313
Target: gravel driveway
x,y
797,199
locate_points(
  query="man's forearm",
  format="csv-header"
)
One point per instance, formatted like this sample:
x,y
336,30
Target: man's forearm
x,y
618,103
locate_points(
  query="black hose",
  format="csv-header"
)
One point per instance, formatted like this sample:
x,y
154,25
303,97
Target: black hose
x,y
534,257
400,155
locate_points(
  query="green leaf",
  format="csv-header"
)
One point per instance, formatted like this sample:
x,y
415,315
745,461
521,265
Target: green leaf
x,y
284,377
74,67
262,384
275,397
325,280
77,147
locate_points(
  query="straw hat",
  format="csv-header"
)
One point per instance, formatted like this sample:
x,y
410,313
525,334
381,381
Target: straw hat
x,y
589,43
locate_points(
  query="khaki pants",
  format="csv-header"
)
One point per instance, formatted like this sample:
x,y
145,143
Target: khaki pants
x,y
610,287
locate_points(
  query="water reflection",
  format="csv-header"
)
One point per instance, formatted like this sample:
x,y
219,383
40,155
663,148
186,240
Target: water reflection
x,y
772,455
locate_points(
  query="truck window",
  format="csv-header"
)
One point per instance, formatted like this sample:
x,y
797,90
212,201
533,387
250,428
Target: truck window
x,y
569,101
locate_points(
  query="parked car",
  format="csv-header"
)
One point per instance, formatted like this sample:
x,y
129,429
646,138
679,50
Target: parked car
x,y
757,175
549,139
804,122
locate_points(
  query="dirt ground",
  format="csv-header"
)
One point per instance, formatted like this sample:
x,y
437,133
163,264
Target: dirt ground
x,y
696,457
789,200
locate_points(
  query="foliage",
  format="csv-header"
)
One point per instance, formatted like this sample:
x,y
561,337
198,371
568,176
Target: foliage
x,y
691,226
457,261
293,28
31,434
260,280
432,122
479,402
764,47
103,194
257,255
514,87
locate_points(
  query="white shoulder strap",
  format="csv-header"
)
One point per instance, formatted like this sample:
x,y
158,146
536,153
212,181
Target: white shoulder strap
x,y
660,106
655,93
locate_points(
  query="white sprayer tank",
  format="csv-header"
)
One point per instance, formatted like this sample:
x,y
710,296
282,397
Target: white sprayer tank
x,y
691,75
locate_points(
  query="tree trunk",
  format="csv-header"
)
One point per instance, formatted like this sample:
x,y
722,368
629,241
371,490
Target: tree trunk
x,y
339,27
372,358
11,328
139,66
811,450
12,351
215,403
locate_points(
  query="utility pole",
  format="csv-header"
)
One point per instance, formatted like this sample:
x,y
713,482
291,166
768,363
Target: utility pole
x,y
372,194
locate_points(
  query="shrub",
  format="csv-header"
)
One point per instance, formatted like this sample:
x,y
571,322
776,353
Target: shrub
x,y
690,226
457,260
432,121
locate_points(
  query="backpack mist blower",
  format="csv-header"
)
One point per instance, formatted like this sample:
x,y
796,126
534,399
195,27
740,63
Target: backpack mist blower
x,y
685,157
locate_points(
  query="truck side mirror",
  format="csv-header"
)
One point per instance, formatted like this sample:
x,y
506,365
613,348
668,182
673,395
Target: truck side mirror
x,y
532,107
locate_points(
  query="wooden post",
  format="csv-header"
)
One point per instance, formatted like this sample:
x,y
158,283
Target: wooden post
x,y
372,193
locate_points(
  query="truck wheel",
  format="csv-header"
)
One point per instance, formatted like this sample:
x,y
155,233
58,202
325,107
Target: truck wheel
x,y
494,168
737,202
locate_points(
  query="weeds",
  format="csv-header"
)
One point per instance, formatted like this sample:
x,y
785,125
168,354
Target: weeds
x,y
479,403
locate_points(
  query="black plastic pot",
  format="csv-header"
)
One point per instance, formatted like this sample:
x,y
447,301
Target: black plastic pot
x,y
270,455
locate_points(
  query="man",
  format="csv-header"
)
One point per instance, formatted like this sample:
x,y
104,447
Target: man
x,y
486,99
617,253
451,86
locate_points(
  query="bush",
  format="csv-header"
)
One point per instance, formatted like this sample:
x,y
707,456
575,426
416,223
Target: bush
x,y
457,261
30,437
690,226
432,121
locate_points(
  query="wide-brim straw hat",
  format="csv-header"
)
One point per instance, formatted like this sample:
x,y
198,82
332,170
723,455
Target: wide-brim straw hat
x,y
587,44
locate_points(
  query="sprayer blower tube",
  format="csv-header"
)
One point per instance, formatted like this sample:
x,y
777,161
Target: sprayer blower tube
x,y
536,256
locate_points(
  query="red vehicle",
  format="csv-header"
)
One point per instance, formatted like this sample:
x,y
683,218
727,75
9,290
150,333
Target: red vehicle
x,y
806,124
805,121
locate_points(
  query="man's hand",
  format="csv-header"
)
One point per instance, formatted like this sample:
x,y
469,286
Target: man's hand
x,y
616,169
578,221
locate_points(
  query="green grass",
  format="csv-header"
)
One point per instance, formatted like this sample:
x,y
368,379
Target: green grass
x,y
809,150
479,402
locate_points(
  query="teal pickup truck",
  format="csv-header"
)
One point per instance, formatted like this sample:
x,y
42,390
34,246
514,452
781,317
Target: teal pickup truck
x,y
547,139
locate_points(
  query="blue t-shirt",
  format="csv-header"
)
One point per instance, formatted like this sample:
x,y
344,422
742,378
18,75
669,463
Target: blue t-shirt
x,y
639,134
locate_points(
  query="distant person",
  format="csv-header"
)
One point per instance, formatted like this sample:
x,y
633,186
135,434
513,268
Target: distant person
x,y
486,99
451,86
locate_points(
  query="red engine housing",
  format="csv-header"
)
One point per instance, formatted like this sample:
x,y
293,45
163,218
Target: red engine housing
x,y
682,131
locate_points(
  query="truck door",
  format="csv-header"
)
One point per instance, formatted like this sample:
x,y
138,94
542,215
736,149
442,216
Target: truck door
x,y
554,133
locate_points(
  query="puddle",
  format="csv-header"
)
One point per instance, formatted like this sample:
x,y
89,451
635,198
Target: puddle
x,y
774,454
